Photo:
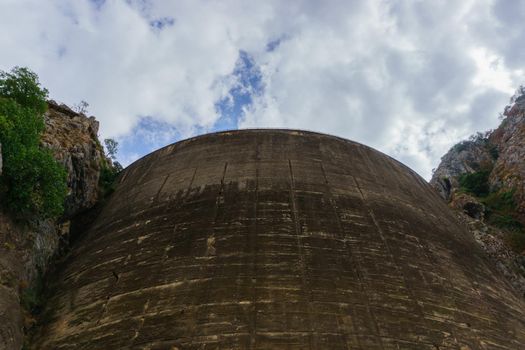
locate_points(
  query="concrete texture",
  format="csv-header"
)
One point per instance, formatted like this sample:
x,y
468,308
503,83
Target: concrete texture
x,y
275,239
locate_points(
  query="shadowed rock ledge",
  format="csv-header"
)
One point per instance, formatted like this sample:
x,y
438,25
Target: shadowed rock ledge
x,y
278,239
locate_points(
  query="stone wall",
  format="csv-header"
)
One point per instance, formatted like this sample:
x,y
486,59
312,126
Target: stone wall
x,y
272,239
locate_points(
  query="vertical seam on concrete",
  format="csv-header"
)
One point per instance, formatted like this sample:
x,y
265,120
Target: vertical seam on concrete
x,y
144,173
355,262
445,273
217,203
189,186
253,249
454,298
161,187
389,252
418,306
213,222
341,235
312,343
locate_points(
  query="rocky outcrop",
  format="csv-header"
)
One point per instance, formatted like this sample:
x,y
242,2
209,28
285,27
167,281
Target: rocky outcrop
x,y
492,240
73,139
468,204
26,249
501,154
500,151
465,157
509,169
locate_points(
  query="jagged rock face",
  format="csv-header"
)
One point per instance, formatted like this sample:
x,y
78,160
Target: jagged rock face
x,y
468,205
74,141
507,173
466,157
27,249
509,169
269,239
492,240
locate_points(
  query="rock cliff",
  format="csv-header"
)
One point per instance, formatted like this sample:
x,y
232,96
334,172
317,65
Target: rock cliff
x,y
26,249
483,178
74,141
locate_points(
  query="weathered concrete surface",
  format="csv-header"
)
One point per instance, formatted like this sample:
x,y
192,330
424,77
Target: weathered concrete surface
x,y
269,239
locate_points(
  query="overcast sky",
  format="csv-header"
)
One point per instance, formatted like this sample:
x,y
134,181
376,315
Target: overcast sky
x,y
409,78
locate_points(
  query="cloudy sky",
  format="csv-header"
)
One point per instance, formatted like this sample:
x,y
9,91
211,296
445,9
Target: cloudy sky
x,y
409,78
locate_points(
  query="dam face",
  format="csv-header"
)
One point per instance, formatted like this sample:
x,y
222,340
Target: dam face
x,y
276,239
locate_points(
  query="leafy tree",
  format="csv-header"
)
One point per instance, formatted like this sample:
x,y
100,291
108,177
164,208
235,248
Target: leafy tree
x,y
22,86
111,148
32,181
81,107
109,173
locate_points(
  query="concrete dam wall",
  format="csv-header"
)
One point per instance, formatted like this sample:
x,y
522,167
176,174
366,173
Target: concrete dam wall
x,y
278,239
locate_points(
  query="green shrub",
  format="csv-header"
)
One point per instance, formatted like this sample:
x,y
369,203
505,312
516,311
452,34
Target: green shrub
x,y
501,212
517,241
32,182
108,175
500,201
110,170
476,183
505,221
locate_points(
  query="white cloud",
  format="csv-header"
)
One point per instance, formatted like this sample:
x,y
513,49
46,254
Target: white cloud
x,y
409,78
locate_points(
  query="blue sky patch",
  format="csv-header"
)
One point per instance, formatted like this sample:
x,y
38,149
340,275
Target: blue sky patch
x,y
161,23
98,3
147,136
272,45
248,84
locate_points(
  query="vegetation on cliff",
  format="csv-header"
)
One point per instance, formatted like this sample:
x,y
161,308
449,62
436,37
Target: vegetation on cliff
x,y
32,182
500,206
48,151
484,178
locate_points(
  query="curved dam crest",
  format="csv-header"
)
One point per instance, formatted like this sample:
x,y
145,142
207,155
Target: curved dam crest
x,y
278,239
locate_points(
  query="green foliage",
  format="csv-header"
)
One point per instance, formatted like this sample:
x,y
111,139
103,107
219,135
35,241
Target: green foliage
x,y
505,221
112,148
32,182
22,86
500,201
476,183
500,207
501,212
108,175
109,172
516,240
